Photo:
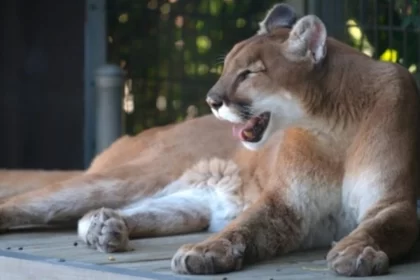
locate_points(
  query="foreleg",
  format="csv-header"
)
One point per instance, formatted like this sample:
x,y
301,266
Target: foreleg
x,y
266,229
387,232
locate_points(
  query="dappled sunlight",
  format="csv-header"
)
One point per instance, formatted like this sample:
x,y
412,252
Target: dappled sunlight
x,y
202,69
179,44
203,44
192,112
199,25
215,7
123,18
217,69
412,68
389,55
161,103
240,23
179,21
165,9
358,38
354,30
128,101
173,50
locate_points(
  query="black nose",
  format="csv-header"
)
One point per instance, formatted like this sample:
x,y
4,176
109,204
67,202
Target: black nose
x,y
214,101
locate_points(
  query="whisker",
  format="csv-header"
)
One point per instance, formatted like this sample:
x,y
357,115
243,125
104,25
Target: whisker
x,y
221,58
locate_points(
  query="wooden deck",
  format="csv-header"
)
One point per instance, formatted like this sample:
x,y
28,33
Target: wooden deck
x,y
53,254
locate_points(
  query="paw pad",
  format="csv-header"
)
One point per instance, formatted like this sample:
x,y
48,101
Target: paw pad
x,y
104,230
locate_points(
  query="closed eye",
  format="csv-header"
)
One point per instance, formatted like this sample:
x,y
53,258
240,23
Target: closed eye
x,y
243,75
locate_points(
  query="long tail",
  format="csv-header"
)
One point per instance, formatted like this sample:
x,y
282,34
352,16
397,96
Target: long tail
x,y
14,182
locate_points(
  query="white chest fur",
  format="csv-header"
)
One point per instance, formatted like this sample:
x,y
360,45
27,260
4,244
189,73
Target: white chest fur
x,y
330,212
360,193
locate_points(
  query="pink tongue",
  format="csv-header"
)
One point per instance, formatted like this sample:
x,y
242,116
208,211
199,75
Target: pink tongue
x,y
237,129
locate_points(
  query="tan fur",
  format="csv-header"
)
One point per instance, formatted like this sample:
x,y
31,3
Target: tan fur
x,y
13,182
339,163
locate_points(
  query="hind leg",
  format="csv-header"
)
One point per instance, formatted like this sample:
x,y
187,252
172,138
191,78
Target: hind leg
x,y
67,201
16,182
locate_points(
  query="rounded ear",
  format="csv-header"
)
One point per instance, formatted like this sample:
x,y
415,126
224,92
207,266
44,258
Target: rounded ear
x,y
280,15
308,38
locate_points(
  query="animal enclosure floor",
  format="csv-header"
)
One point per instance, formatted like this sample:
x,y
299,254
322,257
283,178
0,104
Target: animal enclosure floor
x,y
52,254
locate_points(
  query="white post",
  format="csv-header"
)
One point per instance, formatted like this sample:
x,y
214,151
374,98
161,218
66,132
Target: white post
x,y
109,81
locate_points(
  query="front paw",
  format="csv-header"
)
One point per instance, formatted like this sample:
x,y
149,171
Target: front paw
x,y
349,258
209,257
104,230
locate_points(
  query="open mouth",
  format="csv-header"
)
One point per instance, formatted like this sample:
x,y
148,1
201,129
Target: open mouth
x,y
253,129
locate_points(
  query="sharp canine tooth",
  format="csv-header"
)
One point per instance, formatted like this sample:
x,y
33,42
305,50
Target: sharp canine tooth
x,y
248,133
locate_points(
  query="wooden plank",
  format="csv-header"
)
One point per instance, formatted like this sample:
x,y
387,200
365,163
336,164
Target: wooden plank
x,y
153,255
15,266
280,269
297,265
16,269
61,245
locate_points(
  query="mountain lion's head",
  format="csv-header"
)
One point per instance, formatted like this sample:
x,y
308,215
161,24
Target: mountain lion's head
x,y
265,77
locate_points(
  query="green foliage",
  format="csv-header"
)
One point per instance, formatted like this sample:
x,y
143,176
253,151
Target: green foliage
x,y
391,27
172,49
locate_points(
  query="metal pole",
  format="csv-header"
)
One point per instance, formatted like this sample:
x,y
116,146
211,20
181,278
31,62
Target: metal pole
x,y
109,81
95,56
